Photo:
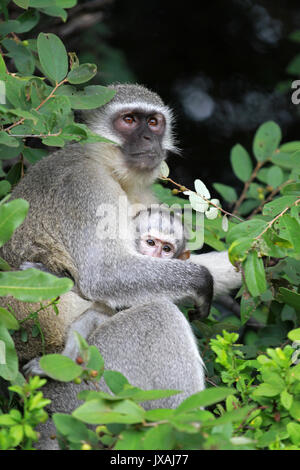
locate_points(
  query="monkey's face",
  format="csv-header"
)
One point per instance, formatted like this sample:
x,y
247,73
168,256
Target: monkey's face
x,y
142,135
156,248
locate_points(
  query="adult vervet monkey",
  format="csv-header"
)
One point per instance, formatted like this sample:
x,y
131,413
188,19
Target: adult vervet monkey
x,y
65,191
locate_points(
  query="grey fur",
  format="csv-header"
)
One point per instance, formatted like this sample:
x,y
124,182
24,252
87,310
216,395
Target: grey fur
x,y
152,345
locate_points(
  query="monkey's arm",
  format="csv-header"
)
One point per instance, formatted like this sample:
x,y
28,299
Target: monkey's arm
x,y
225,277
132,279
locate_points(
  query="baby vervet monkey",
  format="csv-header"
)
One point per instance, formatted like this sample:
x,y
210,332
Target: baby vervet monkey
x,y
160,233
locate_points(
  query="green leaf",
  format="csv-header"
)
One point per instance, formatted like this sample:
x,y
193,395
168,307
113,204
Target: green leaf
x,y
60,368
227,192
28,21
56,12
286,160
248,229
161,437
34,155
53,56
275,207
90,97
266,140
290,147
103,412
96,361
5,187
82,73
266,390
8,26
8,320
289,297
21,55
241,163
6,139
275,176
286,399
130,439
12,215
70,427
33,285
54,141
22,3
292,189
115,381
15,173
294,335
8,370
204,398
295,410
255,274
294,431
289,228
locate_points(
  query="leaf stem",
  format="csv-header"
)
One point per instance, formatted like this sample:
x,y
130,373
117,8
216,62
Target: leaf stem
x,y
247,185
276,218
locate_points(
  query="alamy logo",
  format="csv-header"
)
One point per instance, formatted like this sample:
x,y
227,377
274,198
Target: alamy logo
x,y
296,353
2,352
2,92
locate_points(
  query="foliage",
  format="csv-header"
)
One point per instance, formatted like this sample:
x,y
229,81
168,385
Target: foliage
x,y
17,429
259,406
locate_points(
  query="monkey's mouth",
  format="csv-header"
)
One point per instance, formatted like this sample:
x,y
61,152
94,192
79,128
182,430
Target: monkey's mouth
x,y
144,161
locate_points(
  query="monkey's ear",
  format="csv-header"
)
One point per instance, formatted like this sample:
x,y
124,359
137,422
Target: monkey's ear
x,y
185,255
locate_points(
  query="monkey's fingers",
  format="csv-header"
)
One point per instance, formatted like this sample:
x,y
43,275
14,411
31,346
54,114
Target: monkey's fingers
x,y
33,368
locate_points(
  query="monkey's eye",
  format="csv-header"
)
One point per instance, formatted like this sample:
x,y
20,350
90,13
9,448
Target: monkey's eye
x,y
129,119
167,248
152,121
150,242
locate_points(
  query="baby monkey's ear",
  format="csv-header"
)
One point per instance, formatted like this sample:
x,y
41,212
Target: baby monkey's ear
x,y
185,255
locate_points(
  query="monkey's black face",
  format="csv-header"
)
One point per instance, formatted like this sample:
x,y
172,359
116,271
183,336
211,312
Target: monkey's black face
x,y
142,134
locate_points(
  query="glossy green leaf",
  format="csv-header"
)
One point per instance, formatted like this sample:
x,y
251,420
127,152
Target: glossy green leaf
x,y
8,320
275,176
12,214
290,297
90,97
161,437
241,163
53,56
204,398
266,140
32,285
255,274
286,160
227,192
6,139
104,412
60,367
82,73
115,380
275,207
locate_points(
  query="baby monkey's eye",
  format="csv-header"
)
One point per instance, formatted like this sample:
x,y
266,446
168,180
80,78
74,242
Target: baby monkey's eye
x,y
150,242
167,248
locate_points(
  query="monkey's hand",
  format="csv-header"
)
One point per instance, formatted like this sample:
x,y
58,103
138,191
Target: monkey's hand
x,y
33,368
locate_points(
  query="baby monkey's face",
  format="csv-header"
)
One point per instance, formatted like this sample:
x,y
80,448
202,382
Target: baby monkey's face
x,y
152,246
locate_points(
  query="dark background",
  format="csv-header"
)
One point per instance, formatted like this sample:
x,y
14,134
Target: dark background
x,y
221,65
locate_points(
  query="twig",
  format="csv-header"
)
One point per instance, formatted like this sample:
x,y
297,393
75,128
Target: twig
x,y
276,218
183,188
38,135
247,185
270,197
